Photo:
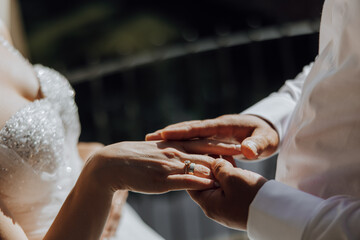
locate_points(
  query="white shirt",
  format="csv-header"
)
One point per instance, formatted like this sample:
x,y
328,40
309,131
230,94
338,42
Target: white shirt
x,y
317,116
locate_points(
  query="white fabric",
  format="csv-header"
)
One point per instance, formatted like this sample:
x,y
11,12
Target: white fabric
x,y
39,160
317,116
277,108
294,214
132,227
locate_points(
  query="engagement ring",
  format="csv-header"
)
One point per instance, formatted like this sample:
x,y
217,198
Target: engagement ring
x,y
189,167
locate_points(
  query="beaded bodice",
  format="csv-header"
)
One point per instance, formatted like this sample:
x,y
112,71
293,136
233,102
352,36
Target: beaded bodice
x,y
37,132
39,161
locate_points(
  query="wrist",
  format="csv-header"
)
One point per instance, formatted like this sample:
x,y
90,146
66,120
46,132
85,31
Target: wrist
x,y
90,181
104,169
85,210
256,185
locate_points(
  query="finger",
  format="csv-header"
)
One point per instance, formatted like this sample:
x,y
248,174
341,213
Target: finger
x,y
198,170
176,163
208,200
200,195
195,158
192,129
221,170
210,146
230,159
188,182
156,136
262,141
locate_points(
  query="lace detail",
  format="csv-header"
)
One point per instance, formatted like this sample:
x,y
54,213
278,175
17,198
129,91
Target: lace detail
x,y
38,132
57,90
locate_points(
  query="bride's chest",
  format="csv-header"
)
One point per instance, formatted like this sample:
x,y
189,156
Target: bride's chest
x,y
41,130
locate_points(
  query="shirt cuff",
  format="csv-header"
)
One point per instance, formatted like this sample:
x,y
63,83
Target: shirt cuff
x,y
280,212
275,109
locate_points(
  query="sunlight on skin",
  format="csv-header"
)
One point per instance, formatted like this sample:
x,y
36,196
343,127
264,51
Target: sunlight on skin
x,y
12,229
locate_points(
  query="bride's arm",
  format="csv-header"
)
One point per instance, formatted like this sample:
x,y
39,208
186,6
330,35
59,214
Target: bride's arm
x,y
84,213
82,216
152,167
86,149
149,167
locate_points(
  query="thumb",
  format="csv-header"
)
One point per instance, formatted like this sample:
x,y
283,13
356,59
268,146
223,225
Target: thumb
x,y
262,141
221,169
251,147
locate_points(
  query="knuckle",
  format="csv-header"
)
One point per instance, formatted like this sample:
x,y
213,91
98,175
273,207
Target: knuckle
x,y
205,160
209,213
231,179
171,153
217,167
260,139
273,138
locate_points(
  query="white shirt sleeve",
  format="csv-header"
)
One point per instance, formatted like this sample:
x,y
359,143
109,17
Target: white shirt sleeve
x,y
282,212
277,108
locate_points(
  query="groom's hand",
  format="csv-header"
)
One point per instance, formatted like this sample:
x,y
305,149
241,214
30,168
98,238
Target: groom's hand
x,y
229,204
257,137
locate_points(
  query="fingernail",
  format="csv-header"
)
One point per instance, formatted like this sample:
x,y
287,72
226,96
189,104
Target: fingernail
x,y
238,147
216,184
252,146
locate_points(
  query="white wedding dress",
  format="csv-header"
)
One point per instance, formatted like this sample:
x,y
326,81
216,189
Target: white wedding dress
x,y
39,160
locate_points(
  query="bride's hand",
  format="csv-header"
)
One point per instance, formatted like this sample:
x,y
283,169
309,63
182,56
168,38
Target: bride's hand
x,y
150,167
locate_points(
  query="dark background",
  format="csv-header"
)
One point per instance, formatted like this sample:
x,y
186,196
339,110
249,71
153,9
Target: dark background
x,y
79,34
116,56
